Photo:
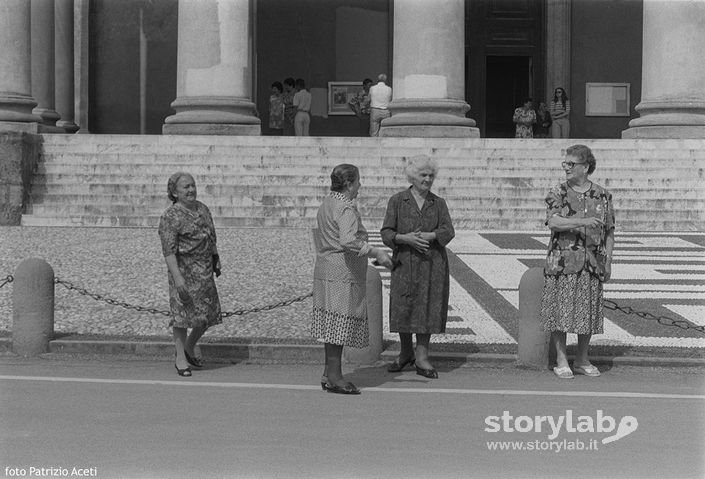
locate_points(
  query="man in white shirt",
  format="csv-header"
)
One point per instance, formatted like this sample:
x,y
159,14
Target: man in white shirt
x,y
380,98
302,103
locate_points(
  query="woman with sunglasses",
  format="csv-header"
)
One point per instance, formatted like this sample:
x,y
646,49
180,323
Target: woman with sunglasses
x,y
580,216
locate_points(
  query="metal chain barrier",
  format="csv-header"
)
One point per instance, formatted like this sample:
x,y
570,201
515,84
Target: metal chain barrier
x,y
8,279
609,304
224,314
105,299
664,320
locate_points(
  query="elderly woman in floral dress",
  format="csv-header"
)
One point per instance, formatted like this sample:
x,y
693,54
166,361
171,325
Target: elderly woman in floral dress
x,y
189,246
579,260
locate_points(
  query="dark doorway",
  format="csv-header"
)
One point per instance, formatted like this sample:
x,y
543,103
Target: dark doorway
x,y
508,83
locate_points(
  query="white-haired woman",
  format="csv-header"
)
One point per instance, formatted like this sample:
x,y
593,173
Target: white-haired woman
x,y
417,226
188,243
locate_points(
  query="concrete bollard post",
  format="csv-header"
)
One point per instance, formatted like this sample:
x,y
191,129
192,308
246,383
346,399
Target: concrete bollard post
x,y
32,307
371,353
533,341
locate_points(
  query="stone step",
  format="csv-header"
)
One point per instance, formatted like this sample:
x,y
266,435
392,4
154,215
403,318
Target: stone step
x,y
368,199
104,141
305,172
547,179
496,188
120,180
641,222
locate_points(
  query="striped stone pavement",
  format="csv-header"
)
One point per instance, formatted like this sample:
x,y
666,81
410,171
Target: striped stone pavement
x,y
659,273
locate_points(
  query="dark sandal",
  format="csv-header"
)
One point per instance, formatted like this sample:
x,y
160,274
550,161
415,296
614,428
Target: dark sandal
x,y
193,361
396,366
427,373
349,388
183,372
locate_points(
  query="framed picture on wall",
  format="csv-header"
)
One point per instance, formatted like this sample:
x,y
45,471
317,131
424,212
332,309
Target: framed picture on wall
x,y
607,99
339,93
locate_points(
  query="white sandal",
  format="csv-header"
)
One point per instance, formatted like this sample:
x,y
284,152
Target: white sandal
x,y
563,372
588,370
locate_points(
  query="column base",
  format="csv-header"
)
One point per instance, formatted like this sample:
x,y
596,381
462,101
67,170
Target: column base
x,y
17,108
429,118
665,132
211,129
681,118
67,126
49,116
213,116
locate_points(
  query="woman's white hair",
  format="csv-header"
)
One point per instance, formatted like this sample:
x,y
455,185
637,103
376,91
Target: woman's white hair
x,y
418,163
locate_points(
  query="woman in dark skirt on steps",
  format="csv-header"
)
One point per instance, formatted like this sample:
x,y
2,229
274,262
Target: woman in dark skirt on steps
x,y
581,218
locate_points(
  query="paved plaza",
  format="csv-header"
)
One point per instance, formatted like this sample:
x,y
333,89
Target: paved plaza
x,y
659,273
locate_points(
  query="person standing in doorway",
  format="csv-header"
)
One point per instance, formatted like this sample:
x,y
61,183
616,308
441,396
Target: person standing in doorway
x,y
542,128
360,105
289,110
276,109
380,98
525,118
302,103
560,113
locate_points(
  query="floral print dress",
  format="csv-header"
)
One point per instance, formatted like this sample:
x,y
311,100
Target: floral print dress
x,y
524,120
190,236
572,299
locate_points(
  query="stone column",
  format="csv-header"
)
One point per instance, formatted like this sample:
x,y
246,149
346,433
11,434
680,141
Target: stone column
x,y
63,68
81,58
557,46
16,100
429,71
673,72
214,71
42,32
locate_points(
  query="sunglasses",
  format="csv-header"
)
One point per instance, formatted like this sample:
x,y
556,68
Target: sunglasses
x,y
571,164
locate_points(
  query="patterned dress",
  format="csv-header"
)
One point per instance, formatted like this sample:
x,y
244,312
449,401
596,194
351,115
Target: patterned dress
x,y
524,120
340,275
420,287
190,236
572,298
276,112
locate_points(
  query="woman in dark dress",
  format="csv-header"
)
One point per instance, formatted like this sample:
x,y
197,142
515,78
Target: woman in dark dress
x,y
188,243
417,226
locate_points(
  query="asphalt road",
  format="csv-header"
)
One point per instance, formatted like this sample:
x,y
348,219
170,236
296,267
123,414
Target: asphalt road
x,y
117,418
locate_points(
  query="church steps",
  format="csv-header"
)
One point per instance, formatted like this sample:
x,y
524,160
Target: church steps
x,y
120,180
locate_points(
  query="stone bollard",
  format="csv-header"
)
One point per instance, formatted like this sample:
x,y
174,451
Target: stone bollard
x,y
533,341
32,307
371,353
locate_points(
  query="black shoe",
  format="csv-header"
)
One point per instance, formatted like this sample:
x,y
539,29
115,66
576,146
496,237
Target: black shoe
x,y
324,383
396,366
183,372
427,373
193,361
349,388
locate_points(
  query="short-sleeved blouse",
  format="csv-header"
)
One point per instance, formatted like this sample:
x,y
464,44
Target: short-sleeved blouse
x,y
570,252
342,255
